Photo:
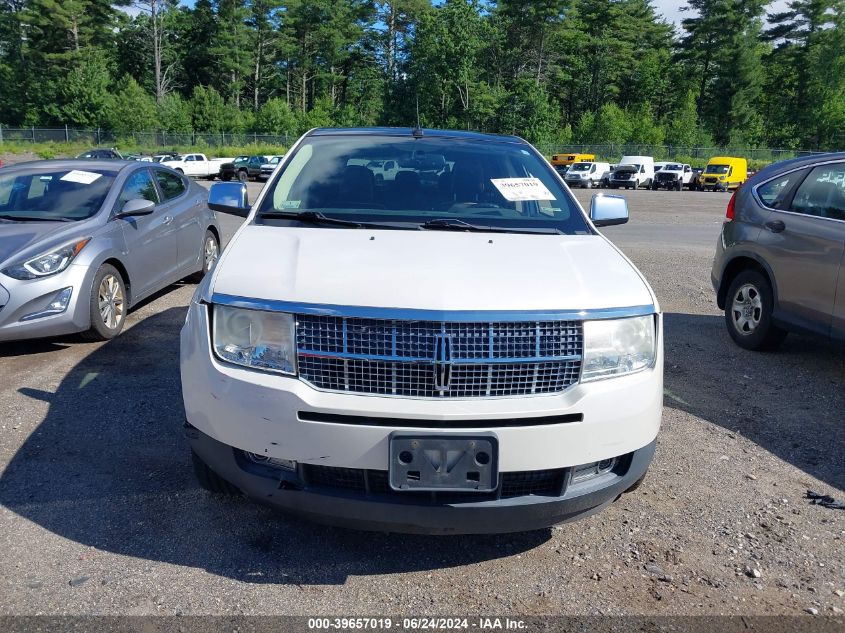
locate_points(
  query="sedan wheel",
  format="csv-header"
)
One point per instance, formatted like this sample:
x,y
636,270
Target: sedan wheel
x,y
107,305
210,253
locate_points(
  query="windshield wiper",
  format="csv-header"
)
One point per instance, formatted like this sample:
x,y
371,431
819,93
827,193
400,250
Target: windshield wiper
x,y
454,224
316,217
31,218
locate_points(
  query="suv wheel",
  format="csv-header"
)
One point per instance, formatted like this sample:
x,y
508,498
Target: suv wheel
x,y
210,480
748,312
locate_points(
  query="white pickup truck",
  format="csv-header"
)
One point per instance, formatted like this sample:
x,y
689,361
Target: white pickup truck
x,y
673,176
196,165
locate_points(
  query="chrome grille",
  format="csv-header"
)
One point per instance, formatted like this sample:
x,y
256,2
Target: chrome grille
x,y
431,359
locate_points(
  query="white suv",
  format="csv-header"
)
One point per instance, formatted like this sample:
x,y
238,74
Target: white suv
x,y
438,354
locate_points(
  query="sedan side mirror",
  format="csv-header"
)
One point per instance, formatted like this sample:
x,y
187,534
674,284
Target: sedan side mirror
x,y
608,210
229,197
136,207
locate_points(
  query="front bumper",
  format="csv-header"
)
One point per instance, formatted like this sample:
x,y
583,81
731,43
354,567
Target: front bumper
x,y
398,512
282,417
668,184
22,298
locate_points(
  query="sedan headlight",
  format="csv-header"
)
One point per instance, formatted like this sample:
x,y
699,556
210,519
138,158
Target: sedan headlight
x,y
255,338
614,347
49,263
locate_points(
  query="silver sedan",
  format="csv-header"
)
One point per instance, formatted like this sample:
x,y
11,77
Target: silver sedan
x,y
82,241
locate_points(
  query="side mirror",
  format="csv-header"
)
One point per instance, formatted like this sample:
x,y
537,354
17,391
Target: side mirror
x,y
608,210
136,207
229,197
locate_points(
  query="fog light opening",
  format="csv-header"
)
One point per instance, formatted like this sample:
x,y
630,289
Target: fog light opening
x,y
58,304
593,469
264,460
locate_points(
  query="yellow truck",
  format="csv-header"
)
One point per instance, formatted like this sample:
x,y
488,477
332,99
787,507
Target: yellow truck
x,y
562,162
723,173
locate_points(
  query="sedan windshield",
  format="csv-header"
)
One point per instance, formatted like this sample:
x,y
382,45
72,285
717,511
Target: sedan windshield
x,y
480,183
58,195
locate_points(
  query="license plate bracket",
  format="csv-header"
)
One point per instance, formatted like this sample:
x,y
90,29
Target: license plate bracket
x,y
434,462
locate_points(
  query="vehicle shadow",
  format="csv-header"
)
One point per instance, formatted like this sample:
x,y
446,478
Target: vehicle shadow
x,y
109,468
789,402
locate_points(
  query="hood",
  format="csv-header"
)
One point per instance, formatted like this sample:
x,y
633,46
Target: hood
x,y
18,237
428,270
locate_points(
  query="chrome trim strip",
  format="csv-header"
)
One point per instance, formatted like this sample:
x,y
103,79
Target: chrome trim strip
x,y
415,314
486,360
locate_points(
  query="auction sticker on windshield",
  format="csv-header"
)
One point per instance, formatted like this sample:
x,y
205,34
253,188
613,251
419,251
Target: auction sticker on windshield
x,y
82,177
516,189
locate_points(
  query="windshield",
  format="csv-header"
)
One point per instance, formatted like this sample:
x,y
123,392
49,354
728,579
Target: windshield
x,y
581,167
53,194
716,169
480,182
171,159
673,167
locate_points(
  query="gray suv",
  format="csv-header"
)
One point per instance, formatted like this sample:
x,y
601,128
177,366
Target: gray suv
x,y
779,260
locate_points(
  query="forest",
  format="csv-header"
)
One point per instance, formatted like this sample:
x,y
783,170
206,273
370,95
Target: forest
x,y
733,73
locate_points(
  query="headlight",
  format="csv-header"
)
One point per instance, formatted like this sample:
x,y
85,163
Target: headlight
x,y
618,346
49,263
255,338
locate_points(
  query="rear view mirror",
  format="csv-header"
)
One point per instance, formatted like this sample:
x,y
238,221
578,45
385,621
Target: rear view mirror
x,y
608,210
229,197
136,207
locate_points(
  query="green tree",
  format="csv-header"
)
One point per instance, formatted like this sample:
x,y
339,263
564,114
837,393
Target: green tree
x,y
208,110
645,130
131,109
722,48
806,70
174,114
612,125
527,112
231,49
682,129
275,117
80,97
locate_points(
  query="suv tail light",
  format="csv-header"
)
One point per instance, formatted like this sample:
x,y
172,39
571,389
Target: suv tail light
x,y
729,214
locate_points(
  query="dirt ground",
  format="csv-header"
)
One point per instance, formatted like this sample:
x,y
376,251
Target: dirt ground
x,y
101,515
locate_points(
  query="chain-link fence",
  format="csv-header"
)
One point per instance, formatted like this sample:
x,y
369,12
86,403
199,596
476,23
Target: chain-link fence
x,y
145,139
605,151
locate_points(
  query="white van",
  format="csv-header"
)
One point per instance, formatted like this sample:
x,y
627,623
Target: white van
x,y
633,172
586,175
440,354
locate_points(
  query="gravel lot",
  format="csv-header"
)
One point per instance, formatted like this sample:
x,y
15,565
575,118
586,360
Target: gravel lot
x,y
100,513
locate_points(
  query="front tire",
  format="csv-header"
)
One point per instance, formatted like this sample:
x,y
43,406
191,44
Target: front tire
x,y
210,480
107,304
210,253
243,176
748,312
